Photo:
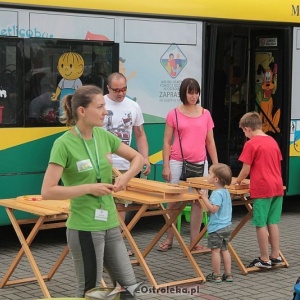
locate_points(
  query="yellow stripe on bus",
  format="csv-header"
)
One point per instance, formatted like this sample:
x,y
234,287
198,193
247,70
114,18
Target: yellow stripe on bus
x,y
11,137
275,10
156,157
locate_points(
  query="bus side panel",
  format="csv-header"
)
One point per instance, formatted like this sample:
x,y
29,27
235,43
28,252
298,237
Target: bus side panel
x,y
170,51
28,157
155,136
294,186
16,185
294,176
22,172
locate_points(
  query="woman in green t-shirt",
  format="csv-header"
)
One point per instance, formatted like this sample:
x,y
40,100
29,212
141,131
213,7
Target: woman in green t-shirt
x,y
81,157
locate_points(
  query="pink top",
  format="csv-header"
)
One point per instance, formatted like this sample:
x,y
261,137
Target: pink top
x,y
193,132
264,157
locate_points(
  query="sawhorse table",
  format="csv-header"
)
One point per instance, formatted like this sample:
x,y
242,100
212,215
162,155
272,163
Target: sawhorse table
x,y
145,201
51,217
239,197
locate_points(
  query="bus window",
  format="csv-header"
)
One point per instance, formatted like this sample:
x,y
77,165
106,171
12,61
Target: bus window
x,y
11,68
56,68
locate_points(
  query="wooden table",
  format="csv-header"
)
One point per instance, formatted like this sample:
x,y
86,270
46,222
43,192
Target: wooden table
x,y
50,215
53,214
147,200
239,197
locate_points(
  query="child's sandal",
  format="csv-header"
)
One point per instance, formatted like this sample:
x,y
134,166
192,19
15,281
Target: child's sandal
x,y
227,277
217,278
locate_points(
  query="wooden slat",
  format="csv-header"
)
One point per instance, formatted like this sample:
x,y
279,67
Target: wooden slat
x,y
153,186
40,211
62,206
156,186
245,184
146,197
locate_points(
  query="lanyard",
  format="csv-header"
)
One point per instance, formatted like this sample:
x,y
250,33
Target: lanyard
x,y
96,164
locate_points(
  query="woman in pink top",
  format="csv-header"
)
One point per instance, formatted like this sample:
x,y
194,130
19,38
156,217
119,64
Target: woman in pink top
x,y
195,127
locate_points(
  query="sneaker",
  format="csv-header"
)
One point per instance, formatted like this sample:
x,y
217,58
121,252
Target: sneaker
x,y
257,262
276,261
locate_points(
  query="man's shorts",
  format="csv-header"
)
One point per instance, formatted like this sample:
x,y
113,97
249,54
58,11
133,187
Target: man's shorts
x,y
219,239
267,211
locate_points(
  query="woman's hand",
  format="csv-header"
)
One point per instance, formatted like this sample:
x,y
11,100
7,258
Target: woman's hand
x,y
101,189
166,173
120,182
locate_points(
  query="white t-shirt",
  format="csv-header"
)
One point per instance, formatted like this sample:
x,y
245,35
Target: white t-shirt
x,y
121,117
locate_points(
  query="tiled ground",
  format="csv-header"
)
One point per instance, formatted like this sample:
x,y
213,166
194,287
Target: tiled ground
x,y
272,284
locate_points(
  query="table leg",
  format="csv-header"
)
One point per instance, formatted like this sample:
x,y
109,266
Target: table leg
x,y
25,249
170,219
184,247
201,233
126,232
58,262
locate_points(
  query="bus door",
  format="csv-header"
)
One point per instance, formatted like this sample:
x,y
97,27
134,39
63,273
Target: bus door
x,y
226,87
270,81
246,68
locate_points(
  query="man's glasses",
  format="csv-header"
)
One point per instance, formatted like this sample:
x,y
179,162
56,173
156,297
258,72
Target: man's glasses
x,y
117,91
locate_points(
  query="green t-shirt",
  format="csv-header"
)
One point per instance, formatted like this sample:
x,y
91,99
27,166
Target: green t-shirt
x,y
70,152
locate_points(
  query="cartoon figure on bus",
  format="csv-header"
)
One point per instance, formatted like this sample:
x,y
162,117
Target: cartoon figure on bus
x,y
96,37
3,93
70,66
297,142
266,86
122,70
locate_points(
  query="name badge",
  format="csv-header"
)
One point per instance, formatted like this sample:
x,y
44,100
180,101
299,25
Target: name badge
x,y
101,215
84,165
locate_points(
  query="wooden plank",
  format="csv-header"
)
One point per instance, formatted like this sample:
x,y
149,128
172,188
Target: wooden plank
x,y
23,206
156,186
62,206
245,184
146,197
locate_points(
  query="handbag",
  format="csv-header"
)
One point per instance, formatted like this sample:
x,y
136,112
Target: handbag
x,y
189,169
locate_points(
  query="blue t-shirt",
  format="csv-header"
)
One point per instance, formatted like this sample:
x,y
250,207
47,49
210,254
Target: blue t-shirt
x,y
222,218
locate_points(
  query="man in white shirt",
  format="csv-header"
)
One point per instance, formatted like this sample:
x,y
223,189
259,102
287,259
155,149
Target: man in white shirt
x,y
124,118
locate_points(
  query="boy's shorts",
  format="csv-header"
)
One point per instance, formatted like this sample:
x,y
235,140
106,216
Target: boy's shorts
x,y
219,239
267,211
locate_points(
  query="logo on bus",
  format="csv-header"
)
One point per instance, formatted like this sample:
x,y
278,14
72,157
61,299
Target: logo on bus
x,y
173,60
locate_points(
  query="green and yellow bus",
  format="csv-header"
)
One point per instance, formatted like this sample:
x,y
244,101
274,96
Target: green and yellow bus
x,y
246,54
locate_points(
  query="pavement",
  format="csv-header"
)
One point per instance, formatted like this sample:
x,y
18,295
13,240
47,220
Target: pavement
x,y
166,266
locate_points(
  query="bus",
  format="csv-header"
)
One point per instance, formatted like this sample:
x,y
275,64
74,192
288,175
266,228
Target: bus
x,y
245,54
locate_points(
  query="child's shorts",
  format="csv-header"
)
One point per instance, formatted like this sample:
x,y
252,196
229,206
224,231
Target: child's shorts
x,y
267,211
219,239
